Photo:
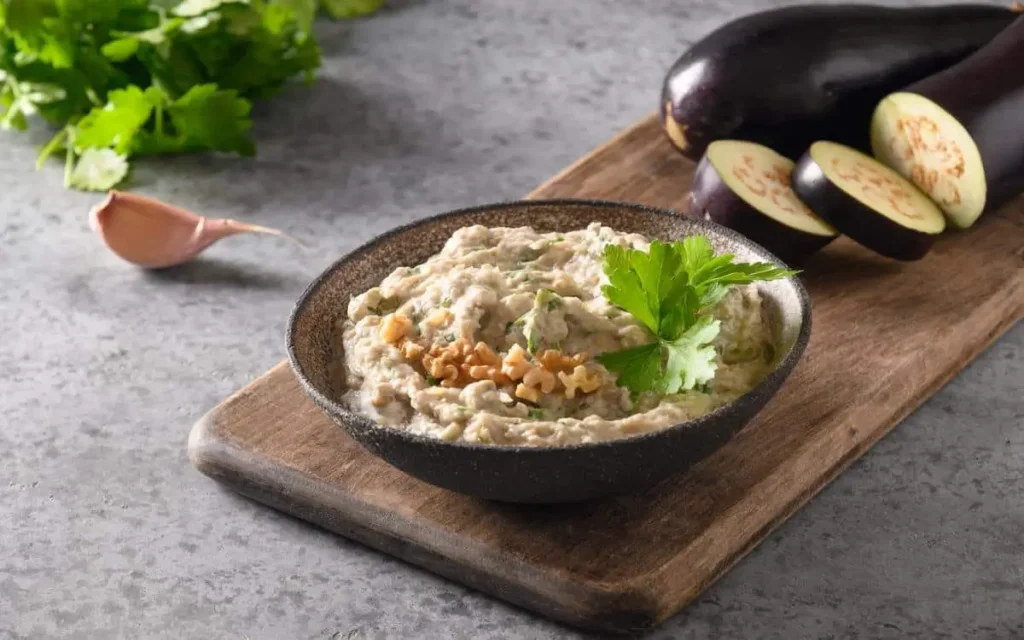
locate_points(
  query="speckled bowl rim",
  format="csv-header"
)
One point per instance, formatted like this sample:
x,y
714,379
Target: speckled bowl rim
x,y
782,368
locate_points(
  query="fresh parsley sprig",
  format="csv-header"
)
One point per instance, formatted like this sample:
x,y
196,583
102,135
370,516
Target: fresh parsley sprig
x,y
124,78
671,289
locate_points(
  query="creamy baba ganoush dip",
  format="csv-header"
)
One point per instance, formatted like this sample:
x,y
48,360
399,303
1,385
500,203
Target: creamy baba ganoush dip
x,y
493,341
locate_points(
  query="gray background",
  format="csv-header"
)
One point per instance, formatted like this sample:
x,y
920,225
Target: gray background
x,y
106,531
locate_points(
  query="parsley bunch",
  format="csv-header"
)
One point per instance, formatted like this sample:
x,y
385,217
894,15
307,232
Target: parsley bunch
x,y
671,290
125,78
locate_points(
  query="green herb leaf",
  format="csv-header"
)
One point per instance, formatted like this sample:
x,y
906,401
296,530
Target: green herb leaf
x,y
304,12
151,76
548,300
209,118
695,251
98,170
533,341
679,315
116,123
204,118
725,272
191,8
713,294
625,288
690,359
671,289
338,9
120,50
639,369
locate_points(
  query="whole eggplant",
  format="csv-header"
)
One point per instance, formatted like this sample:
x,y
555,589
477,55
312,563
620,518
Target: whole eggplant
x,y
787,77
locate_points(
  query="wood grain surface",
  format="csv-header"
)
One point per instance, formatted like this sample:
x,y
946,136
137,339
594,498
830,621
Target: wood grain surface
x,y
886,336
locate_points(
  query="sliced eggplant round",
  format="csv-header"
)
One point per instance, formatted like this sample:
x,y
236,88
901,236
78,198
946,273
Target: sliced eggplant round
x,y
867,201
789,76
959,135
745,186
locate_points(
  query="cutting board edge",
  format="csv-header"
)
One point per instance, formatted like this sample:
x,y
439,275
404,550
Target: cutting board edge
x,y
618,608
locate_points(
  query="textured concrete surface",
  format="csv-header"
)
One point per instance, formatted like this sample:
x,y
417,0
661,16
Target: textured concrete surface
x,y
107,532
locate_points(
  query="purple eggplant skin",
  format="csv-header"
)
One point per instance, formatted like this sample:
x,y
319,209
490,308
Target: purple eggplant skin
x,y
787,77
855,219
985,93
711,198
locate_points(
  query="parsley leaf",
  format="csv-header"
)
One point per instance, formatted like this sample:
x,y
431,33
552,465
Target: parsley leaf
x,y
695,251
624,288
723,271
671,289
116,123
680,315
351,8
690,360
192,8
205,118
97,169
133,77
639,369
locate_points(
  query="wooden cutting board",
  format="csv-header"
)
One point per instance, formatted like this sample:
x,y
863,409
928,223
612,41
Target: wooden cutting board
x,y
886,336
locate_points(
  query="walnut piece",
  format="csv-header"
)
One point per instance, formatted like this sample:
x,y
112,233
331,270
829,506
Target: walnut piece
x,y
580,379
555,361
410,350
528,393
539,377
438,317
461,363
516,363
394,327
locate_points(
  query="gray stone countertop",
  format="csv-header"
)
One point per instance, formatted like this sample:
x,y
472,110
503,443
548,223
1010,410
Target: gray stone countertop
x,y
106,531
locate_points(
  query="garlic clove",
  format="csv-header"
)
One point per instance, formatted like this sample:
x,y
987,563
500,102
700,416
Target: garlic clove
x,y
153,234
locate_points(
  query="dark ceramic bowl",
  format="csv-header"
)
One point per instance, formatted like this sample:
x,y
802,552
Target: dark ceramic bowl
x,y
535,474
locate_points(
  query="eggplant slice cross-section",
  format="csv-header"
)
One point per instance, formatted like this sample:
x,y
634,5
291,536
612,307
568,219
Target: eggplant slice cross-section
x,y
867,201
959,134
746,187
